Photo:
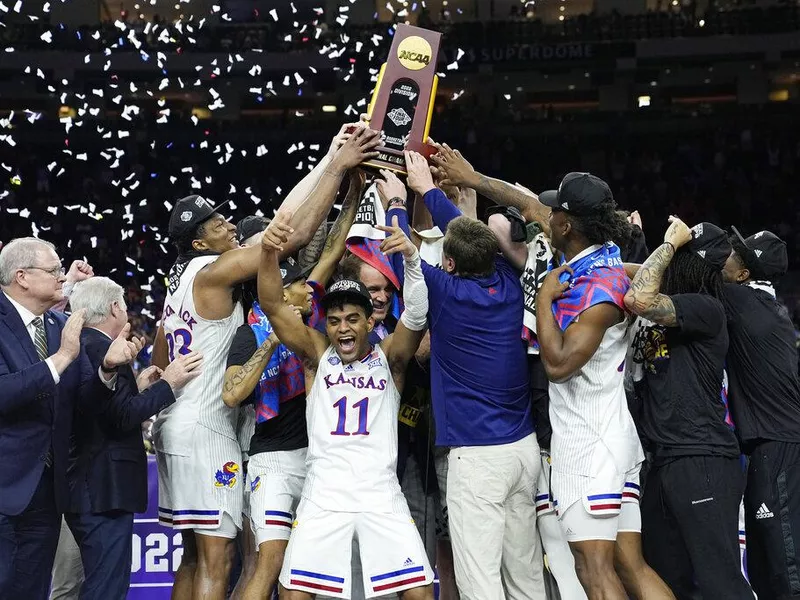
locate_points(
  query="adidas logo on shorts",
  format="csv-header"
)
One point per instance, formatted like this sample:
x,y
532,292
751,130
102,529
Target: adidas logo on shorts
x,y
763,512
408,562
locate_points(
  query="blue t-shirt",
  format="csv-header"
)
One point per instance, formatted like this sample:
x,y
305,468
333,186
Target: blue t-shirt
x,y
479,372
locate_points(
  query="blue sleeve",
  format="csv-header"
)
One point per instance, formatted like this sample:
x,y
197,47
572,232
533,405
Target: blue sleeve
x,y
437,281
396,260
442,210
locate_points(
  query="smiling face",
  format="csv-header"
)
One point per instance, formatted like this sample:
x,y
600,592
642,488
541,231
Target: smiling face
x,y
380,290
216,235
44,279
298,293
348,329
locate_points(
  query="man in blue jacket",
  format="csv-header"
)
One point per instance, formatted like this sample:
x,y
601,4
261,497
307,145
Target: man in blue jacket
x,y
44,374
108,466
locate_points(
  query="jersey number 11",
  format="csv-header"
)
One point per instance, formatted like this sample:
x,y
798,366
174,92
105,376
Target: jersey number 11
x,y
361,406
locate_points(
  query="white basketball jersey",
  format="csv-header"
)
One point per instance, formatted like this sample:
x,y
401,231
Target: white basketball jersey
x,y
589,413
200,401
352,436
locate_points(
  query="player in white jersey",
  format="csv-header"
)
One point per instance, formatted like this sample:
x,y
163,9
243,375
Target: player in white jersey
x,y
582,332
351,488
199,458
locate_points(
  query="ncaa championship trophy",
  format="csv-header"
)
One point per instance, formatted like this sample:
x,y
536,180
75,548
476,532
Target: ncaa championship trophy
x,y
402,102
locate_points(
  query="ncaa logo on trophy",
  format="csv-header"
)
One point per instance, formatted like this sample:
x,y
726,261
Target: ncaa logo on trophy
x,y
402,102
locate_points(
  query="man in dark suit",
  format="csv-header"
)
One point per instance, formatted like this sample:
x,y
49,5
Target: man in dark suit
x,y
108,465
41,380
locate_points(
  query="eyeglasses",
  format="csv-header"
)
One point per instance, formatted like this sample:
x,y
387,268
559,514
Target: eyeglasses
x,y
55,271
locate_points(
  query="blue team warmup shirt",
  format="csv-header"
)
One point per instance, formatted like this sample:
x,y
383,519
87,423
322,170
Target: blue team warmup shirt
x,y
479,372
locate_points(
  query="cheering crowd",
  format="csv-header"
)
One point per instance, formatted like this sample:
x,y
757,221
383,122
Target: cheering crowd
x,y
344,410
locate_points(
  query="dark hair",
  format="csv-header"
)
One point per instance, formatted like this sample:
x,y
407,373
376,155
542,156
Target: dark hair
x,y
604,224
350,267
184,243
471,245
340,303
687,273
740,256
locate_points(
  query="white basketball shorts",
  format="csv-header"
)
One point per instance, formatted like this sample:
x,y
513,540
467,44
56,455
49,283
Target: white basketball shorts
x,y
318,557
197,490
609,506
276,482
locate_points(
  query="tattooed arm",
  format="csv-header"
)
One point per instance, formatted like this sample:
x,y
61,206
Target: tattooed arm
x,y
241,380
335,243
457,171
310,254
643,298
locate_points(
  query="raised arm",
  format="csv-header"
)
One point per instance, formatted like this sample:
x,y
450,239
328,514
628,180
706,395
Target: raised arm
x,y
393,195
420,181
515,252
310,253
643,298
401,346
335,243
312,202
460,172
307,343
564,353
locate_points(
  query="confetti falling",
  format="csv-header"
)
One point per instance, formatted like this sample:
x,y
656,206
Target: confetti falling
x,y
138,121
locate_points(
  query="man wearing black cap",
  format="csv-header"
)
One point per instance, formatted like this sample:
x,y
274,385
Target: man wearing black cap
x,y
690,507
353,401
582,332
765,404
199,459
264,372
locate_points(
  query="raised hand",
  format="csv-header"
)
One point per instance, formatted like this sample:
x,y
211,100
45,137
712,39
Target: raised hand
x,y
397,240
277,233
79,271
148,377
635,219
390,187
122,351
455,168
183,369
420,179
678,233
360,146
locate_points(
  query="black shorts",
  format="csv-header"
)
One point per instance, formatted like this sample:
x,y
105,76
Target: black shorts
x,y
772,520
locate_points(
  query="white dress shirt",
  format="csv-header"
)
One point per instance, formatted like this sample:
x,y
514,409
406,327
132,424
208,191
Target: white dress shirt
x,y
27,319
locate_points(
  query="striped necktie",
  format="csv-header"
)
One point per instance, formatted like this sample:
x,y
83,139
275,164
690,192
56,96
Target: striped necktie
x,y
40,338
40,341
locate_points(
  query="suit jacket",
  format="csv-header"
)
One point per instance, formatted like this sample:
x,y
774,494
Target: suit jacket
x,y
108,464
35,412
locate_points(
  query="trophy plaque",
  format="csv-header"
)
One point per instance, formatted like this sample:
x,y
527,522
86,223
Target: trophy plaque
x,y
402,103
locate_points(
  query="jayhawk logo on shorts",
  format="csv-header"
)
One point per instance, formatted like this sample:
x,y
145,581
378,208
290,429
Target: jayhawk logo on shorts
x,y
226,477
255,484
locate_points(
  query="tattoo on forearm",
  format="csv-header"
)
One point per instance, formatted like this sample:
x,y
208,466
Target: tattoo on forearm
x,y
257,362
503,193
311,253
346,217
644,291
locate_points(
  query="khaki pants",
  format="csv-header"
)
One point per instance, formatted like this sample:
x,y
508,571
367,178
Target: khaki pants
x,y
490,500
67,569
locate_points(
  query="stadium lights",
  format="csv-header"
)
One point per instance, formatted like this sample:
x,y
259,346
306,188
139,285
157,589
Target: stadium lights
x,y
643,101
779,95
328,108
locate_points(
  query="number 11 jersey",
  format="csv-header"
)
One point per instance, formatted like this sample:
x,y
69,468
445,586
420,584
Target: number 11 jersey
x,y
352,436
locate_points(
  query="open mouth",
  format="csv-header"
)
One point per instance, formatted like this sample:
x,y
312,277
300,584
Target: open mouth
x,y
347,344
378,306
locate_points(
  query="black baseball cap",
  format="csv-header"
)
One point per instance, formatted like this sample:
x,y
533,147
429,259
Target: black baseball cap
x,y
291,271
188,213
249,226
710,243
764,253
578,193
348,291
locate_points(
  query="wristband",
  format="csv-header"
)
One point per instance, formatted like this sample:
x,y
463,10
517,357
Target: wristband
x,y
106,370
674,249
397,202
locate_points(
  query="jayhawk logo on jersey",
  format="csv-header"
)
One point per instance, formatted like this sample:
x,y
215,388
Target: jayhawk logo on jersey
x,y
226,477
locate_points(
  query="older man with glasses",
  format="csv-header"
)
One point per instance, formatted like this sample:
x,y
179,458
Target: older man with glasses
x,y
44,375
